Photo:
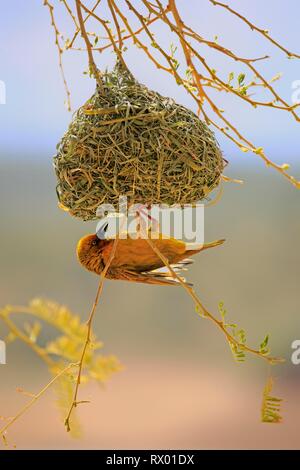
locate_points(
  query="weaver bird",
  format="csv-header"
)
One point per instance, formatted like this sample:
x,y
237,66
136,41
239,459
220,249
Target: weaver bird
x,y
135,260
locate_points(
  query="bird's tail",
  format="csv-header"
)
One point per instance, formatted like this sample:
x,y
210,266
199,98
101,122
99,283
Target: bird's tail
x,y
196,247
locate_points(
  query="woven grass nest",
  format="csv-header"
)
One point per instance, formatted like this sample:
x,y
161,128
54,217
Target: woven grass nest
x,y
128,140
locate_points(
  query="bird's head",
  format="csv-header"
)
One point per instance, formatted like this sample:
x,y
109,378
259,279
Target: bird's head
x,y
89,253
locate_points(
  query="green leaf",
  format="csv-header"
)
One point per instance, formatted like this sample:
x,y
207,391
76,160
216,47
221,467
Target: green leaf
x,y
230,77
271,406
265,342
241,78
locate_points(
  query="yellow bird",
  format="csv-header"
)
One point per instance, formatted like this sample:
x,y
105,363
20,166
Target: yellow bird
x,y
135,260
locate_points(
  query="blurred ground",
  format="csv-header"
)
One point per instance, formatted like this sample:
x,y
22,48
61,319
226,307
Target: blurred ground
x,y
164,405
180,387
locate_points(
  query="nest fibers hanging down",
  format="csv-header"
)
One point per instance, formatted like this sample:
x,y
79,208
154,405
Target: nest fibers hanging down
x,y
131,141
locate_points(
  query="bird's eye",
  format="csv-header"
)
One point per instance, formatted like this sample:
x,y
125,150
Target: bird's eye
x,y
94,242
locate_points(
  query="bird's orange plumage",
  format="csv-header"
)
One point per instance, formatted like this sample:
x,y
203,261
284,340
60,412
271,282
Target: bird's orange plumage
x,y
134,259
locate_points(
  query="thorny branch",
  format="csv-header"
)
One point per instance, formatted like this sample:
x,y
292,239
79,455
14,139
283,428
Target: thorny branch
x,y
60,53
263,32
34,399
198,77
92,66
206,314
61,355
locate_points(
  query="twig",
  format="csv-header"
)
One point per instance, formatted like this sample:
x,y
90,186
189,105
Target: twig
x,y
117,25
92,66
19,334
200,83
205,312
252,26
69,10
70,45
60,52
110,35
75,402
186,49
136,40
35,398
129,36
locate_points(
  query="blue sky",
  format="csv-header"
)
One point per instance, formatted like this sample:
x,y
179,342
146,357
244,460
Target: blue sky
x,y
35,117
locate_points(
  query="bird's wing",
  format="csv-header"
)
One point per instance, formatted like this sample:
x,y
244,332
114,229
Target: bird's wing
x,y
137,254
159,276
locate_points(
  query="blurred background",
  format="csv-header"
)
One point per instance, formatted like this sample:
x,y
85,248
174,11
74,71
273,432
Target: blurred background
x,y
180,387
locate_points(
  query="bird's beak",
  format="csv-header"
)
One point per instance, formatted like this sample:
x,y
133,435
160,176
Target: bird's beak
x,y
110,227
102,229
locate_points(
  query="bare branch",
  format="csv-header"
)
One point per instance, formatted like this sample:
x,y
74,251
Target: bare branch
x,y
263,32
92,66
60,52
